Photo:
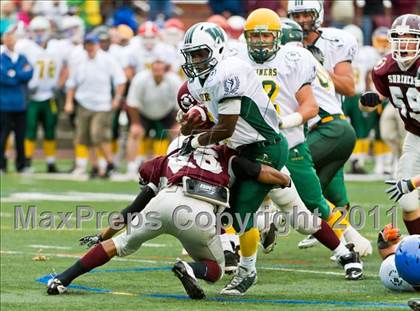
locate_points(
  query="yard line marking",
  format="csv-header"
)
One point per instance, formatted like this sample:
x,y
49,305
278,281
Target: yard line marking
x,y
6,215
48,246
157,245
154,261
68,197
308,271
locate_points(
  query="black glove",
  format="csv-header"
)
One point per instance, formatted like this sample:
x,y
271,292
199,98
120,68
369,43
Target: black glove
x,y
91,240
370,99
317,53
186,148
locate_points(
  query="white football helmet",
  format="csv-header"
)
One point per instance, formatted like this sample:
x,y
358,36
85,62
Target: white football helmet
x,y
356,32
73,28
390,277
314,6
40,29
405,50
203,48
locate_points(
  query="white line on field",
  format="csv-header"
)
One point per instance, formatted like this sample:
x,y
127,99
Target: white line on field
x,y
59,255
68,197
151,245
48,246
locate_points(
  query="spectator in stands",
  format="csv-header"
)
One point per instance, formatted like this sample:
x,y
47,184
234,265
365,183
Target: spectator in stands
x,y
401,7
7,15
279,6
25,12
371,14
226,8
15,73
160,7
90,84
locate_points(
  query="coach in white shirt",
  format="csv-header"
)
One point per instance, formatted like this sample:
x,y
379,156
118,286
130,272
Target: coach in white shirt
x,y
91,83
151,104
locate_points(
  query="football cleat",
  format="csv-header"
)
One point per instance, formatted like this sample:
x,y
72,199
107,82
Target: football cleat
x,y
185,274
231,262
268,239
414,304
351,264
55,287
240,283
309,241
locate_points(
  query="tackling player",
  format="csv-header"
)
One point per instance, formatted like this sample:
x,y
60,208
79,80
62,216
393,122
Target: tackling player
x,y
205,168
397,77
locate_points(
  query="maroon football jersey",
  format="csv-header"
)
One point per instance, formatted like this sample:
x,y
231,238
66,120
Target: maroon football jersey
x,y
399,86
209,165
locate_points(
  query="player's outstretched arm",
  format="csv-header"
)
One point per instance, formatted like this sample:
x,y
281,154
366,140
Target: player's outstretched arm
x,y
246,169
139,203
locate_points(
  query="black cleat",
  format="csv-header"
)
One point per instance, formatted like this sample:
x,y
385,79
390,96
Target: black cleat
x,y
241,282
94,172
110,169
269,239
231,262
356,168
55,287
52,168
185,274
414,304
352,264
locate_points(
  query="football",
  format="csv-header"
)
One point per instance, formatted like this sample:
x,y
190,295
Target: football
x,y
198,118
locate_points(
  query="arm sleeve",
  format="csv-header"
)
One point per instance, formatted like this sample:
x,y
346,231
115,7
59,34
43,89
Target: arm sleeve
x,y
22,74
151,171
118,75
230,106
245,169
139,203
378,80
134,93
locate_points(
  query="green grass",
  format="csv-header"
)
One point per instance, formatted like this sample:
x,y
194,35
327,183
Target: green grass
x,y
20,291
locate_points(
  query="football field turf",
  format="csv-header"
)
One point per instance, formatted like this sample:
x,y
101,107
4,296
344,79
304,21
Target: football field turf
x,y
288,278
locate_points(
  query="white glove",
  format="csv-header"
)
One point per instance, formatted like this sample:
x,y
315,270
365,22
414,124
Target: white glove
x,y
399,188
180,116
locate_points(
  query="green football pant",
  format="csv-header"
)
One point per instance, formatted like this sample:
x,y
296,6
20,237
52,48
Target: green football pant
x,y
302,171
362,122
246,196
336,191
331,145
44,112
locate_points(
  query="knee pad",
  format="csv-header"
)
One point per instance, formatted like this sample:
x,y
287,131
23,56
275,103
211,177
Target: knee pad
x,y
299,216
122,246
410,201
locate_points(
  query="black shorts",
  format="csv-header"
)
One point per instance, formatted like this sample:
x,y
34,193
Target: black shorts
x,y
158,129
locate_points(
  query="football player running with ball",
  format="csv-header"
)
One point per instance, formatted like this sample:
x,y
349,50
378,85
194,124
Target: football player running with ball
x,y
245,119
397,77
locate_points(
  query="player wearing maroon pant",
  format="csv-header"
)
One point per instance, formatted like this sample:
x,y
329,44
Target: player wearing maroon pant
x,y
397,77
192,186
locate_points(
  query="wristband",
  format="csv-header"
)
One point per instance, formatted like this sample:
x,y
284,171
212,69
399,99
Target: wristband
x,y
291,120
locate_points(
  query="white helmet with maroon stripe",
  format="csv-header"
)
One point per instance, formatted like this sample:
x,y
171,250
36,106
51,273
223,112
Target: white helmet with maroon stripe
x,y
405,40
